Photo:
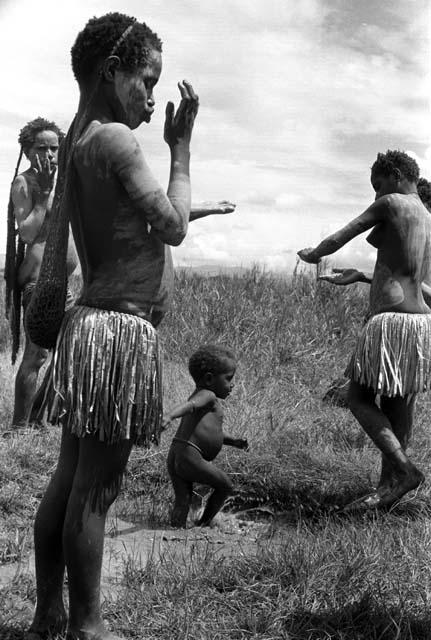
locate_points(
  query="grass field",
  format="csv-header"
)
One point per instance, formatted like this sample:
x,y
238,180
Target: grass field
x,y
316,574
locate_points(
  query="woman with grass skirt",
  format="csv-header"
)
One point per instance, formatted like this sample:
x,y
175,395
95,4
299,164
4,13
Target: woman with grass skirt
x,y
393,354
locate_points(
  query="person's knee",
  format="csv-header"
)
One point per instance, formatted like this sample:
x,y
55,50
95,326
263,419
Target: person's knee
x,y
34,357
358,396
99,493
225,486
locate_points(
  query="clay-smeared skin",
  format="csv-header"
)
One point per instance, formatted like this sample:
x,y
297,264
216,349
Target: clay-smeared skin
x,y
402,231
122,236
403,257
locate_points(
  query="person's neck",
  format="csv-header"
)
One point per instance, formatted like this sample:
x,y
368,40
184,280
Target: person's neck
x,y
407,187
94,104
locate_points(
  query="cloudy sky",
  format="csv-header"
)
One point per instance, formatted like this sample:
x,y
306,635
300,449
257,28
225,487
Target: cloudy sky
x,y
296,100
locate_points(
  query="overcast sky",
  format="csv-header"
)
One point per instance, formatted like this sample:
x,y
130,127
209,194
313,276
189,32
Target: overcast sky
x,y
297,98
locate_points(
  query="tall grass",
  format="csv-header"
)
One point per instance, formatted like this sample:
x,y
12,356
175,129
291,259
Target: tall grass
x,y
315,573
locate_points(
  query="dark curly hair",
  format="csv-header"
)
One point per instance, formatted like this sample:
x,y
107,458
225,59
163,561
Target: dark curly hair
x,y
387,162
210,358
28,134
424,191
102,37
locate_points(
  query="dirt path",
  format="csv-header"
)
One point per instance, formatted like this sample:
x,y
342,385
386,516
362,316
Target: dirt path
x,y
137,544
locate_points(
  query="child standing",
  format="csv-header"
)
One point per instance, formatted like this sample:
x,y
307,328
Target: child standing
x,y
200,435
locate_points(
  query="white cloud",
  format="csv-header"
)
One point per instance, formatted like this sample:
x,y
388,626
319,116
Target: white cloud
x,y
296,100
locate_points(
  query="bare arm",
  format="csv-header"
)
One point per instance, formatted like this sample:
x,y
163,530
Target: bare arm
x,y
200,400
204,209
168,214
371,216
239,443
30,205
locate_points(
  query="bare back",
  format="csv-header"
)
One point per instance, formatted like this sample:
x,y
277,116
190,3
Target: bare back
x,y
403,256
126,266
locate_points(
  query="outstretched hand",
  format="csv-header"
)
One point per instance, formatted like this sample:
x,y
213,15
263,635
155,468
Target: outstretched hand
x,y
308,255
179,125
45,174
241,443
224,206
343,276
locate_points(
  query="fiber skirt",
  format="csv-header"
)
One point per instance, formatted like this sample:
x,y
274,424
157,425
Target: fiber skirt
x,y
105,377
393,354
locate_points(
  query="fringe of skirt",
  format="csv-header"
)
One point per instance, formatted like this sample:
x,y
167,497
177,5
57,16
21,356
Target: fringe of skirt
x,y
393,354
105,377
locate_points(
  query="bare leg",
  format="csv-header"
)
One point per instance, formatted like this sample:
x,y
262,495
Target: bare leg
x,y
50,615
183,490
377,425
216,500
36,414
191,466
96,485
26,381
400,412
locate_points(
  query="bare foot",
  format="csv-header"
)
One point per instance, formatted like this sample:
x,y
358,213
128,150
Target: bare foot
x,y
47,630
98,634
407,482
386,495
368,501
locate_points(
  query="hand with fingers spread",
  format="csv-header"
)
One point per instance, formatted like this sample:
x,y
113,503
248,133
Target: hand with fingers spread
x,y
45,174
179,125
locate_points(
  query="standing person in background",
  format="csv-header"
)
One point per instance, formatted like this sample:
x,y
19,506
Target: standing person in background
x,y
30,206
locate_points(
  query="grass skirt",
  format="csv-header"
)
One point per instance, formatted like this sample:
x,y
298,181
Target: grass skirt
x,y
105,377
393,354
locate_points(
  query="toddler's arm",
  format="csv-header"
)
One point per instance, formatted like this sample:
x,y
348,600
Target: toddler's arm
x,y
239,443
200,400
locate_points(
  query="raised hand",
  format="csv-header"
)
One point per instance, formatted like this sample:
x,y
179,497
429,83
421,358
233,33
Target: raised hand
x,y
343,276
45,174
308,255
179,125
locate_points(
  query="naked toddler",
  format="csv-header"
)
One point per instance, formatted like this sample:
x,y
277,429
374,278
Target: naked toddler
x,y
200,435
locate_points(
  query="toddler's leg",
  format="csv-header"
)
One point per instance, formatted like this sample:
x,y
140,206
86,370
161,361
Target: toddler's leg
x,y
96,485
50,615
206,473
183,497
183,493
